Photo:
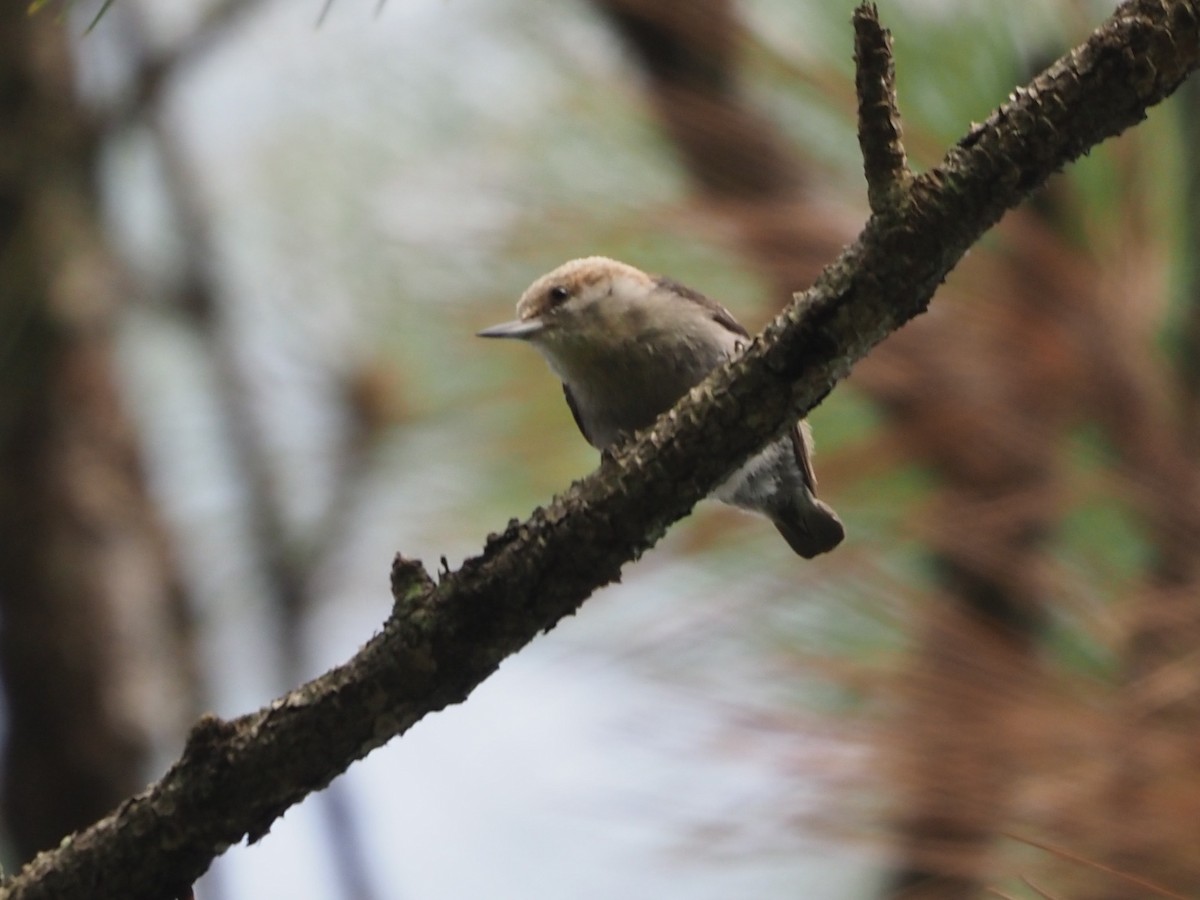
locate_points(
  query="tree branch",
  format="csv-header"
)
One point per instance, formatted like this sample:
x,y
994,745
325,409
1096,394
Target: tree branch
x,y
879,131
156,70
441,641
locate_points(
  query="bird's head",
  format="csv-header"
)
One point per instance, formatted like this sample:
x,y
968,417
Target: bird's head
x,y
594,298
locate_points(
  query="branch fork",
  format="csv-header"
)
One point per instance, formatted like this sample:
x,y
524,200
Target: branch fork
x,y
443,640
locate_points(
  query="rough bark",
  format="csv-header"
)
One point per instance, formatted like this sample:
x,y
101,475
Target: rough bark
x,y
441,640
983,395
992,448
291,577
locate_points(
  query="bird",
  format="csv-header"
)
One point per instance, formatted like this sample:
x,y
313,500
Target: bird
x,y
627,345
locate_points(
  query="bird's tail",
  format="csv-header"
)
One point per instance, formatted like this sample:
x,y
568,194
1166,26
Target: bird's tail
x,y
810,526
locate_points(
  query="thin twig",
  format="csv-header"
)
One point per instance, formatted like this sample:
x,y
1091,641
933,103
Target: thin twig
x,y
879,131
1025,880
1063,853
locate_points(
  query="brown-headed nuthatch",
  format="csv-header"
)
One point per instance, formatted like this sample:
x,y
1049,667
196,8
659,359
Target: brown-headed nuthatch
x,y
628,345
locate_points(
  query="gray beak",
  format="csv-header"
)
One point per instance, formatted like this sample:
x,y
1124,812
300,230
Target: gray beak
x,y
522,329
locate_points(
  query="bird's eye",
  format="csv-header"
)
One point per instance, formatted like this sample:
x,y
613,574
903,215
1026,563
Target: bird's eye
x,y
558,294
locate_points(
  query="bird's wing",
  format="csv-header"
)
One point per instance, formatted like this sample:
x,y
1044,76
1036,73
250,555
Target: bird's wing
x,y
574,407
800,447
724,317
719,313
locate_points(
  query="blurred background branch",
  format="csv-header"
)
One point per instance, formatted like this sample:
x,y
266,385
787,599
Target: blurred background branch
x,y
96,648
